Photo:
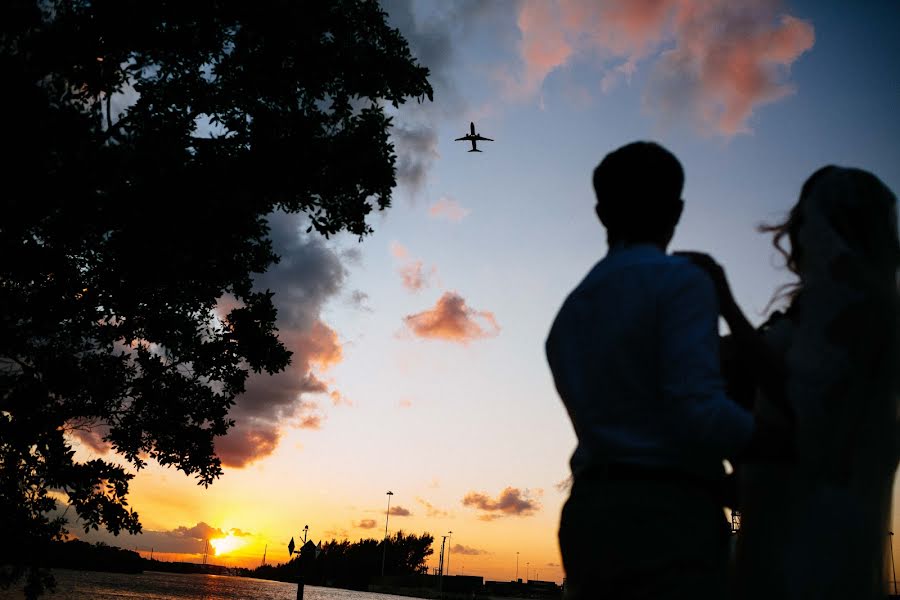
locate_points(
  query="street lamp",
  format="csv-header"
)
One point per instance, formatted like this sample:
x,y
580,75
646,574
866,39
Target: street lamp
x,y
893,572
450,536
387,516
526,571
517,566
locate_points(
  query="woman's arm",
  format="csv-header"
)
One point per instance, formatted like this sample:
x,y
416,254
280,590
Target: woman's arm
x,y
772,439
763,362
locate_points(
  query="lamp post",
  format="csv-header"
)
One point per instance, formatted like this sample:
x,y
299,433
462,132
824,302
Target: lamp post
x,y
450,537
517,566
387,516
441,569
526,571
893,572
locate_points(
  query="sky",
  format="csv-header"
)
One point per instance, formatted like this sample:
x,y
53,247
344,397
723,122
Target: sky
x,y
418,353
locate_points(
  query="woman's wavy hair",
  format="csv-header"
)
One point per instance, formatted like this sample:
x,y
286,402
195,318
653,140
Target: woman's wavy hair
x,y
865,184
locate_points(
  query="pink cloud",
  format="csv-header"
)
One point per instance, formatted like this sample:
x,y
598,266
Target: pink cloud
x,y
451,319
415,277
448,208
399,251
723,58
413,274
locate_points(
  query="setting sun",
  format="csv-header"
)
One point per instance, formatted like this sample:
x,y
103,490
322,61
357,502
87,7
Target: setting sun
x,y
226,544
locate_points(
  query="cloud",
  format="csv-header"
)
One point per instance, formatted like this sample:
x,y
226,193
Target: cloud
x,y
360,300
181,540
564,485
399,511
335,534
91,434
413,274
308,275
722,59
433,37
367,524
466,550
510,502
405,403
339,399
431,510
449,209
416,148
451,319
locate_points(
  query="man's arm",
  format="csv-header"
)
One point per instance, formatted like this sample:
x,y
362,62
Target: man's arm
x,y
691,380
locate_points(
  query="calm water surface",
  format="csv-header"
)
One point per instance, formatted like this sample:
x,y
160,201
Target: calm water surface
x,y
150,585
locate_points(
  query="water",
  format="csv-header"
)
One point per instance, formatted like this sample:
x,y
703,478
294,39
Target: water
x,y
151,585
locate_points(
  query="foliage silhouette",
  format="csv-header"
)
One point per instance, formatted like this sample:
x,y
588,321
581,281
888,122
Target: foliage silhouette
x,y
145,143
353,565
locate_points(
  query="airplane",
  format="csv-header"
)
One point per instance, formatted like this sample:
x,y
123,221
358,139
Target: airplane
x,y
473,137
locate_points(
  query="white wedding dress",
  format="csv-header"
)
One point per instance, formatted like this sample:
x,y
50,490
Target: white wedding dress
x,y
818,528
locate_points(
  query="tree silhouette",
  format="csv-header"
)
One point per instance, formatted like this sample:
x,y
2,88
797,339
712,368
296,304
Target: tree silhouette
x,y
354,565
144,145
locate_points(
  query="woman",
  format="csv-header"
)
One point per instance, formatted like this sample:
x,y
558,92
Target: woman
x,y
818,526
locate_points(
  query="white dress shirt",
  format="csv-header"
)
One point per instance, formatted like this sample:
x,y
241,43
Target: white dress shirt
x,y
634,352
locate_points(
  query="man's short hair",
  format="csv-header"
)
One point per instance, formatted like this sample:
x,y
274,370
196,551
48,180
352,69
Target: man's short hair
x,y
638,187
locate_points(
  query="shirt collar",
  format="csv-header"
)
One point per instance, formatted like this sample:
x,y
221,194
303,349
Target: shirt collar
x,y
642,248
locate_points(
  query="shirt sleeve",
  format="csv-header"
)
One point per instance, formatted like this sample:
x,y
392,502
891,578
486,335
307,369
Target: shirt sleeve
x,y
705,418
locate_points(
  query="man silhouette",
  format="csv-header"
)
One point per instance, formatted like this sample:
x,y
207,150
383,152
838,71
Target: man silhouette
x,y
634,355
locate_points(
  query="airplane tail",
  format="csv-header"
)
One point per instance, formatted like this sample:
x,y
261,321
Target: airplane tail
x,y
475,150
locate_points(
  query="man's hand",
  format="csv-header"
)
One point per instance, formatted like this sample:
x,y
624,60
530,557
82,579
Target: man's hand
x,y
715,272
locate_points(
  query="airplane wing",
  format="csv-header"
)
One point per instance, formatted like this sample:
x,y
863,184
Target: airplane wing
x,y
465,138
483,139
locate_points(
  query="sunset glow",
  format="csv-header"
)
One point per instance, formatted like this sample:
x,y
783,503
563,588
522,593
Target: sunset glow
x,y
227,544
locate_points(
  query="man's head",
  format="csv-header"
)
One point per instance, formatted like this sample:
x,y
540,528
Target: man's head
x,y
638,191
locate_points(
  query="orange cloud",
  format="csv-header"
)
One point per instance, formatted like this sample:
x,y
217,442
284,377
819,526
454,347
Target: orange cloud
x,y
448,208
511,502
431,510
399,511
452,320
723,58
338,399
271,400
367,524
310,422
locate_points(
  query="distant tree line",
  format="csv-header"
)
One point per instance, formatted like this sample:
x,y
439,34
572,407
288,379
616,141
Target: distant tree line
x,y
354,565
83,556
